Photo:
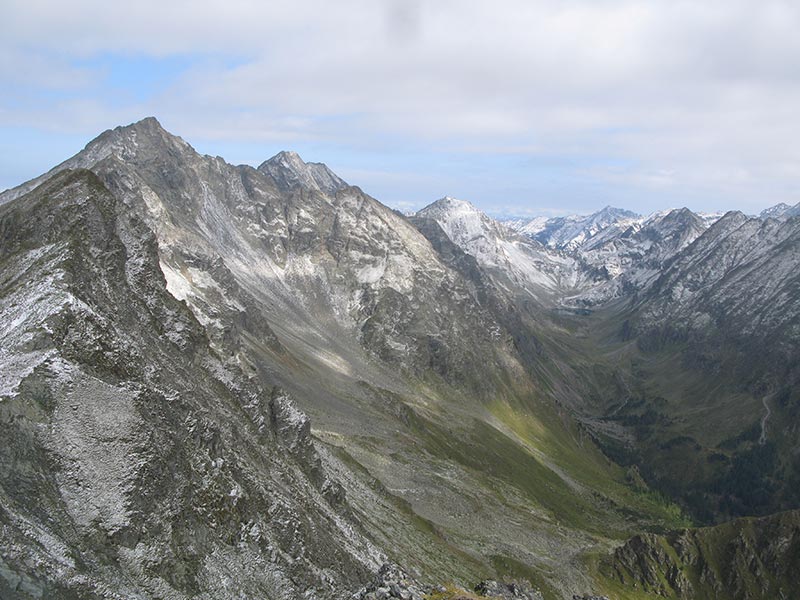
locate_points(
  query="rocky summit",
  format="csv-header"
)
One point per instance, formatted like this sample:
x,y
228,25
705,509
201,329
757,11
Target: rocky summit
x,y
218,381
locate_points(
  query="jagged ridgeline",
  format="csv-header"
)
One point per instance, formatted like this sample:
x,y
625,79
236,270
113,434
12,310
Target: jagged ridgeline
x,y
218,381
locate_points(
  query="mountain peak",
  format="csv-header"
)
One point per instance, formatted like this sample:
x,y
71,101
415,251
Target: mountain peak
x,y
140,138
676,219
285,157
150,122
452,200
681,214
289,170
780,211
148,126
732,218
618,213
457,202
449,204
134,143
571,231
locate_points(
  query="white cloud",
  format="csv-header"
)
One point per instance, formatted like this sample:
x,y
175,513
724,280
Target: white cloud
x,y
703,91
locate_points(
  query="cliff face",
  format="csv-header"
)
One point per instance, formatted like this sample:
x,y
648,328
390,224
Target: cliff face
x,y
745,559
137,462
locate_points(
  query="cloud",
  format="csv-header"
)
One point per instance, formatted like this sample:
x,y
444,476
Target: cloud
x,y
704,92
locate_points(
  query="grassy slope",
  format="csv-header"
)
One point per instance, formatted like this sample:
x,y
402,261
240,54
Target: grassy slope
x,y
744,559
688,422
519,492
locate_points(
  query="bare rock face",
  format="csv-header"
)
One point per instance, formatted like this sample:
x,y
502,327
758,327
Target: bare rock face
x,y
739,276
134,459
292,426
743,559
171,297
392,582
515,261
291,172
508,591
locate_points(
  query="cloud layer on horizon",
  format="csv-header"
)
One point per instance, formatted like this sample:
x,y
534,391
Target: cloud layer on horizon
x,y
555,103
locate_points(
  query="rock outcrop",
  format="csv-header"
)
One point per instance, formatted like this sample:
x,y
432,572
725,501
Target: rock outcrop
x,y
745,559
136,462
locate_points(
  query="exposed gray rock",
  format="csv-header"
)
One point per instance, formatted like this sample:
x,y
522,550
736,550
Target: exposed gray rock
x,y
170,321
573,231
392,582
508,591
154,470
290,171
743,559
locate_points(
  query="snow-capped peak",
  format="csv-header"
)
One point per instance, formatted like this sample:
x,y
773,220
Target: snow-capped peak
x,y
571,231
780,211
450,203
461,220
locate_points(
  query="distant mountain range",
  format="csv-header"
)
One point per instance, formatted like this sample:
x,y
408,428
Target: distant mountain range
x,y
219,381
573,231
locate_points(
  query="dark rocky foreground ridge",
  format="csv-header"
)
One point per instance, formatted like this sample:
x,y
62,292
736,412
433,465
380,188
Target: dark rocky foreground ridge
x,y
742,559
169,321
136,462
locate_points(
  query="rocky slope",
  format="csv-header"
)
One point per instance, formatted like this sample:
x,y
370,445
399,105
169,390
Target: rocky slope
x,y
725,313
744,559
137,461
780,211
453,458
740,275
515,261
633,255
685,356
169,320
573,231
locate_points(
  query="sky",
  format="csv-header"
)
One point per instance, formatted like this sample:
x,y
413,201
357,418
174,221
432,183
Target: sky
x,y
523,107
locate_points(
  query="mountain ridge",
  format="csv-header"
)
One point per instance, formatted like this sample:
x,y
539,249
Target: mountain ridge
x,y
289,170
458,377
344,304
